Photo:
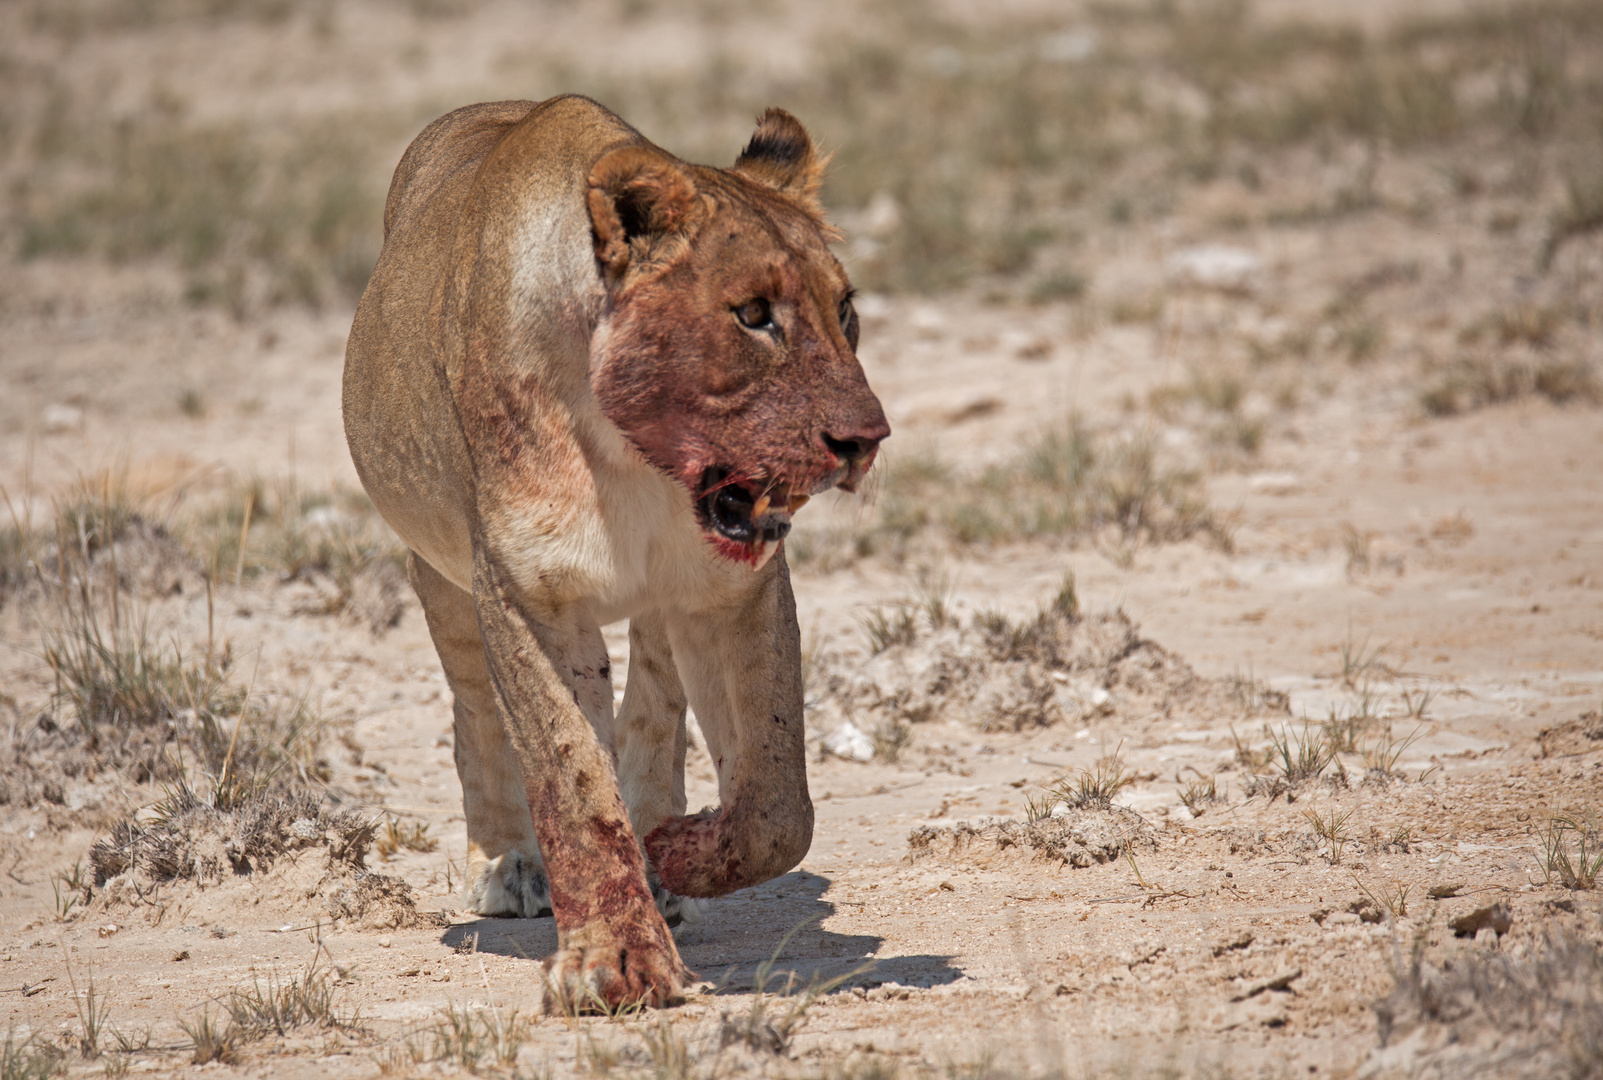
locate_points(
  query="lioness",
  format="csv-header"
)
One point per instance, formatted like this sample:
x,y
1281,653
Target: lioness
x,y
589,381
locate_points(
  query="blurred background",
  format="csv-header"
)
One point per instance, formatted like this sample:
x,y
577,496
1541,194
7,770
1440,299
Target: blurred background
x,y
1208,226
245,145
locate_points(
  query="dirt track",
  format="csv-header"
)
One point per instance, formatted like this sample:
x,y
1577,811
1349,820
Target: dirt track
x,y
1368,548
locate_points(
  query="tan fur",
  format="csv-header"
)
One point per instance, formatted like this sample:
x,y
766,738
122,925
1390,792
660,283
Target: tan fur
x,y
549,396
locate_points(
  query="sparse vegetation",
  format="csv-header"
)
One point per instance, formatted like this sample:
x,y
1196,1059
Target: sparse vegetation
x,y
1093,788
30,1059
467,1038
1198,795
1475,382
1572,851
1391,898
898,626
890,737
1066,482
279,1006
1300,756
211,1039
1329,828
1542,1007
1382,755
91,1005
395,837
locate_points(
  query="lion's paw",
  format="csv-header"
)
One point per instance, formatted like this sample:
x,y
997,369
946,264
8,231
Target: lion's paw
x,y
607,978
512,885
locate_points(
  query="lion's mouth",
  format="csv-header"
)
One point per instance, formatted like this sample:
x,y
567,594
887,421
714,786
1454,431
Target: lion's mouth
x,y
751,515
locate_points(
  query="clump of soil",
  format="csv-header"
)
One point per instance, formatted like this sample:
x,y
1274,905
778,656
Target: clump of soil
x,y
310,854
1579,736
1075,837
1006,676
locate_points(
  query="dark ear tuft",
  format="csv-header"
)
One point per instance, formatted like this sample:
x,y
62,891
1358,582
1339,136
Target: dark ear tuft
x,y
781,155
639,201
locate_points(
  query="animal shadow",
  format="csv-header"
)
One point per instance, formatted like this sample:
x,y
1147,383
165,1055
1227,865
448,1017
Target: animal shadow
x,y
774,925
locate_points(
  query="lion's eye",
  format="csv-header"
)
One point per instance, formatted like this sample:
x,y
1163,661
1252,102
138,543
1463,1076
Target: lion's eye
x,y
845,312
755,314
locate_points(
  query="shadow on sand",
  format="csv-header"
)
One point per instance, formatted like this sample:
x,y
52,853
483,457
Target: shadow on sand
x,y
741,932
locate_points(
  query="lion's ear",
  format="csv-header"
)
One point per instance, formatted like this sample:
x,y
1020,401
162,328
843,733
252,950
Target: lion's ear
x,y
781,155
638,198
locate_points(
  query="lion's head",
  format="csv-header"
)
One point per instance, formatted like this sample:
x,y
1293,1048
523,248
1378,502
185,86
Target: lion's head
x,y
727,355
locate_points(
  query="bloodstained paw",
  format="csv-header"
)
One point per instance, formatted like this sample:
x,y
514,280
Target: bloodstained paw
x,y
605,979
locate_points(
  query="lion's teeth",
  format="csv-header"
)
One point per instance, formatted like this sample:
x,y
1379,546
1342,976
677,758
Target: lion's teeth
x,y
760,507
797,502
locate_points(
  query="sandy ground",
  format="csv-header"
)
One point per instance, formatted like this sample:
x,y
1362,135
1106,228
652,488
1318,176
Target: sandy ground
x,y
1469,549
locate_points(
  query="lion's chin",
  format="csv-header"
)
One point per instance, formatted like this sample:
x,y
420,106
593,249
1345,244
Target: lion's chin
x,y
754,555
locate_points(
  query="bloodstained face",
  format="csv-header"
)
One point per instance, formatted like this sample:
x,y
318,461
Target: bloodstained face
x,y
729,357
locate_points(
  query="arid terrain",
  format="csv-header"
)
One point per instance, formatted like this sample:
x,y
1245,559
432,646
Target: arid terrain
x,y
1210,683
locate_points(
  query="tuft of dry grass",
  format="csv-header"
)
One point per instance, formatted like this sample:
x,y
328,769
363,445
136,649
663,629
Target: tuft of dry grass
x,y
279,1006
885,629
1198,795
30,1058
395,837
1572,851
1093,788
211,1039
1329,828
1300,756
1478,382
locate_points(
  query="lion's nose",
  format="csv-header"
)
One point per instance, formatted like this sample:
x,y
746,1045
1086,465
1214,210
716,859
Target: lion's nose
x,y
850,451
855,434
854,448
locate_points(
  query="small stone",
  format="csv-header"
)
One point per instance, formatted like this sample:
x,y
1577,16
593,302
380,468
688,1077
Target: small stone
x,y
59,418
385,942
850,742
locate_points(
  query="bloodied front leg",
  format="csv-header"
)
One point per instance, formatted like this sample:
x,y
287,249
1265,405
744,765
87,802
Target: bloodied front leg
x,y
741,670
613,946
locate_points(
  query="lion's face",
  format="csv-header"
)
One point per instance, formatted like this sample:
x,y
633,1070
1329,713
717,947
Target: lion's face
x,y
728,355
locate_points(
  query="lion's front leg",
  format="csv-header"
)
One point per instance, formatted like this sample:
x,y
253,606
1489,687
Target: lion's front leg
x,y
613,946
741,670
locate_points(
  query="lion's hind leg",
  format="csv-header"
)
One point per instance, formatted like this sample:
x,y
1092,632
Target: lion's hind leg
x,y
649,739
505,873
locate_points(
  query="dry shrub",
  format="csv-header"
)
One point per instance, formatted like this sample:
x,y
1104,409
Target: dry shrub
x,y
1006,675
188,840
1079,837
1477,382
